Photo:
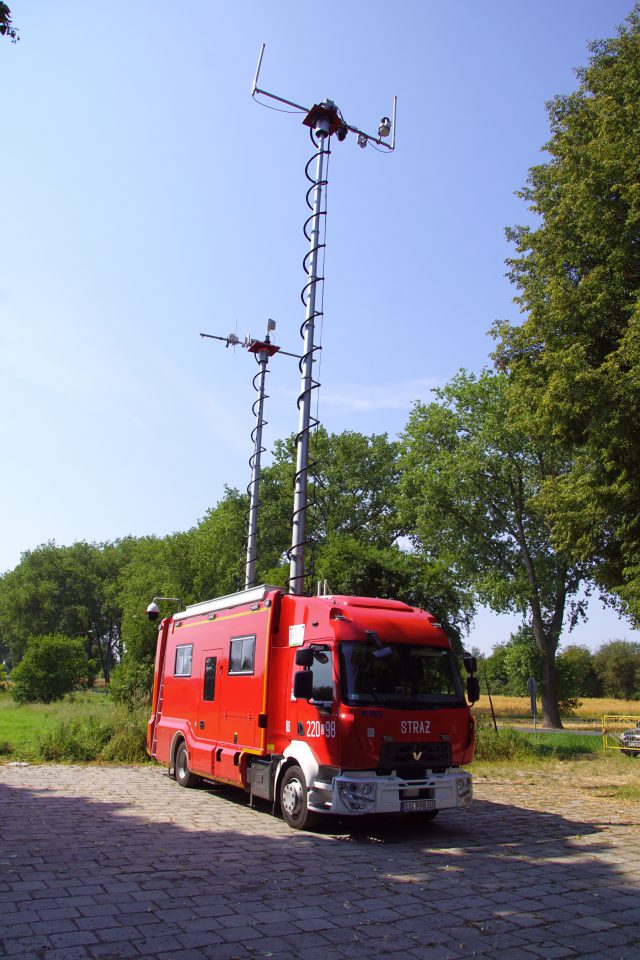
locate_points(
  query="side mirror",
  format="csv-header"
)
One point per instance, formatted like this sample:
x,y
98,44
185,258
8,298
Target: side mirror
x,y
303,685
473,689
304,657
470,664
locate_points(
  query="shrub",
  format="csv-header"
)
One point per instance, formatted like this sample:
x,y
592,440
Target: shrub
x,y
82,739
120,738
129,741
132,682
501,744
51,667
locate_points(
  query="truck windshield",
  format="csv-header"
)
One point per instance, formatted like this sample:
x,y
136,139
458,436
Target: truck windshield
x,y
399,674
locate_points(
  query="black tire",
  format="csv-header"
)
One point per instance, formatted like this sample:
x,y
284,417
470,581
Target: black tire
x,y
184,777
630,753
293,800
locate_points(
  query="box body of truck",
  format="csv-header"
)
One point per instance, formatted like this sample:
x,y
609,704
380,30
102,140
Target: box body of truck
x,y
383,725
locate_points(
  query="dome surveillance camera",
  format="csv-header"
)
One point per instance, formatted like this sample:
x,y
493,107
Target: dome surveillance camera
x,y
153,611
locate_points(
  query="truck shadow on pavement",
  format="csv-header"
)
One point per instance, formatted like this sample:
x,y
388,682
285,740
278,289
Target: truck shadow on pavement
x,y
91,870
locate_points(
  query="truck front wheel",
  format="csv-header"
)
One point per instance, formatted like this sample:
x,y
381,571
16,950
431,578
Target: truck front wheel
x,y
183,775
293,800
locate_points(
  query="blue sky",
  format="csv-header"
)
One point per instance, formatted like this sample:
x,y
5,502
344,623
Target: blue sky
x,y
147,198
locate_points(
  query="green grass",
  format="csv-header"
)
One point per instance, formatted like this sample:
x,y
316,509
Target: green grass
x,y
22,724
627,792
83,727
88,726
513,745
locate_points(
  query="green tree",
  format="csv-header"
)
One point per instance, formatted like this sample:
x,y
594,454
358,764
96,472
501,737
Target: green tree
x,y
354,528
66,590
351,494
470,492
352,567
52,666
157,567
494,676
218,548
576,356
523,659
617,664
6,26
576,665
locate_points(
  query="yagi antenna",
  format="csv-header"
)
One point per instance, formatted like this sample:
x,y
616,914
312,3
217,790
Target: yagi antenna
x,y
323,119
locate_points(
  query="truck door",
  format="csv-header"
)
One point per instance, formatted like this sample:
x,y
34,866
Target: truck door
x,y
208,711
208,718
316,721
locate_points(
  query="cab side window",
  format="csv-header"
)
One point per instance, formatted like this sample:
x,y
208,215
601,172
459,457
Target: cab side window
x,y
323,677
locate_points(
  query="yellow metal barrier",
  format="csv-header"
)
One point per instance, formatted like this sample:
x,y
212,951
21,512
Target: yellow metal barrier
x,y
621,733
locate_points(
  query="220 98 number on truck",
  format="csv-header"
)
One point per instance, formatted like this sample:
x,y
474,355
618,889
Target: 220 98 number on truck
x,y
322,705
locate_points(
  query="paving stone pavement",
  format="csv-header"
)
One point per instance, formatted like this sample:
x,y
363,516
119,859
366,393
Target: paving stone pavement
x,y
110,862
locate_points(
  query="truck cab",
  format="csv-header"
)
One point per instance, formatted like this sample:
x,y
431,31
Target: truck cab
x,y
377,720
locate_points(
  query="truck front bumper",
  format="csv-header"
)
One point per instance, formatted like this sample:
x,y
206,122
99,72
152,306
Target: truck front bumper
x,y
357,793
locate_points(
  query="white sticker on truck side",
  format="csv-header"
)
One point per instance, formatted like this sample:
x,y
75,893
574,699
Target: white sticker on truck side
x,y
296,635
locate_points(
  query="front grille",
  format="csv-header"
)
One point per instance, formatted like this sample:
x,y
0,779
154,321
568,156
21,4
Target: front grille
x,y
412,759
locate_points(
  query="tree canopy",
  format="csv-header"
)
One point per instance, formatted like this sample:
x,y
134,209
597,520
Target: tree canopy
x,y
617,665
470,486
99,592
72,591
6,25
575,358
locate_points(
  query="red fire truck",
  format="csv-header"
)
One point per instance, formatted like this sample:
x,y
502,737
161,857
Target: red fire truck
x,y
321,705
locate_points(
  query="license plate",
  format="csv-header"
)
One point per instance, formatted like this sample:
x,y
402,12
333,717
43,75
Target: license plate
x,y
415,806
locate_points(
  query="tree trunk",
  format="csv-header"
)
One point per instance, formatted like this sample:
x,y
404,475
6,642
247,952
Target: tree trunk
x,y
547,640
550,711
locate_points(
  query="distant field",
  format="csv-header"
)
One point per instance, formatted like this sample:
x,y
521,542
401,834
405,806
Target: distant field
x,y
587,716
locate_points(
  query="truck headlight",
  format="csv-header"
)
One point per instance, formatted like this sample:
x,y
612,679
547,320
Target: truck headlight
x,y
357,796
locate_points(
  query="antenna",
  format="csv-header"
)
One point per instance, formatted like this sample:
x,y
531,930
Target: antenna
x,y
386,126
262,351
323,119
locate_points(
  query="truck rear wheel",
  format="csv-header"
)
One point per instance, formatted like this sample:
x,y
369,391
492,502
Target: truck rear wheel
x,y
183,775
293,800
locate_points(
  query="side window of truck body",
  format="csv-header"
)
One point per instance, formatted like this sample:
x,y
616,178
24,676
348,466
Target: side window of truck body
x,y
242,652
184,654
